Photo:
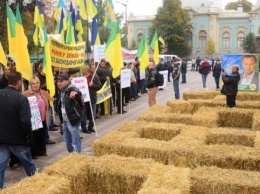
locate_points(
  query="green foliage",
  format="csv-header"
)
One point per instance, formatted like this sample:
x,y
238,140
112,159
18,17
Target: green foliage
x,y
3,29
247,6
173,23
249,44
210,47
133,45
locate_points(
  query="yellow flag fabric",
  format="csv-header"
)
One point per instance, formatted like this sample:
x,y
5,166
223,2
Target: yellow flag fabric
x,y
22,59
155,46
82,9
97,42
2,56
113,50
11,20
142,53
91,8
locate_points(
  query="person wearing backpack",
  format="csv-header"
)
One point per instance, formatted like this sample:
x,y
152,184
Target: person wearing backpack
x,y
176,78
151,84
204,70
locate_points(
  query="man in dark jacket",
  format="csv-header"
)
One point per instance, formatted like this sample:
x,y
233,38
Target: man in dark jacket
x,y
94,85
216,72
198,61
169,67
71,103
176,78
151,84
16,129
230,86
183,71
4,78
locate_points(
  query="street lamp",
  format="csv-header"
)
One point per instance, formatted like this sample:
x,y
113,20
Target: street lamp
x,y
126,34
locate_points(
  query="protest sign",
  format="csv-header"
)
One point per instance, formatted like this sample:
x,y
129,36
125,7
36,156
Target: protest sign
x,y
165,78
125,78
99,52
104,93
82,84
35,113
66,56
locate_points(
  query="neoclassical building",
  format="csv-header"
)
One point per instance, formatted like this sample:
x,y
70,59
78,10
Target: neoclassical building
x,y
227,28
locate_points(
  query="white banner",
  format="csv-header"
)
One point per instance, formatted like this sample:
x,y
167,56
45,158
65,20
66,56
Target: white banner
x,y
165,76
82,84
36,119
125,78
99,52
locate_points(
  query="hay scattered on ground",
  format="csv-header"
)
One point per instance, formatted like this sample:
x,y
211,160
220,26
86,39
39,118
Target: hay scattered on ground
x,y
222,181
231,137
168,178
115,174
72,167
41,183
180,106
200,95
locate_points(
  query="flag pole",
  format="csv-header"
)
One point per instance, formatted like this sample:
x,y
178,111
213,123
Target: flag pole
x,y
95,71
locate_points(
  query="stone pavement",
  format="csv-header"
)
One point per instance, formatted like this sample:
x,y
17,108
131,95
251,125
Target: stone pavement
x,y
108,123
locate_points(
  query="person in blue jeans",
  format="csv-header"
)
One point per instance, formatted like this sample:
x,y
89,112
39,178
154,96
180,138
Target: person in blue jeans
x,y
176,78
16,129
71,104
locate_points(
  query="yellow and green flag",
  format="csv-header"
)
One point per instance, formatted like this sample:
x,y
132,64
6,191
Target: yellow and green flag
x,y
110,18
155,46
113,50
38,24
2,56
142,54
70,38
22,58
11,20
161,39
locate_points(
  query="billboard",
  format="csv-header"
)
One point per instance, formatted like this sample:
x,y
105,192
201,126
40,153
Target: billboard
x,y
248,69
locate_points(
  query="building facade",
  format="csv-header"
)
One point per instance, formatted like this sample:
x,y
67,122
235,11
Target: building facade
x,y
227,28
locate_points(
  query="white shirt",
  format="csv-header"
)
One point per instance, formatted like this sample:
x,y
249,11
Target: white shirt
x,y
247,80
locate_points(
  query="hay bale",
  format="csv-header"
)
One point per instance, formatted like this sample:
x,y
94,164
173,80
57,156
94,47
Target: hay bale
x,y
198,103
248,96
159,108
158,190
257,140
200,95
256,121
41,183
226,156
230,137
221,181
235,118
72,167
115,174
220,97
180,106
167,178
206,117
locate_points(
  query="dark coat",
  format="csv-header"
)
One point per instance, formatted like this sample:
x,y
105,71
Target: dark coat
x,y
230,86
176,72
217,70
151,82
204,68
3,82
161,67
103,73
15,117
95,87
184,67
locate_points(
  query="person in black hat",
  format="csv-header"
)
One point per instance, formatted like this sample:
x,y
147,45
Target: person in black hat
x,y
71,104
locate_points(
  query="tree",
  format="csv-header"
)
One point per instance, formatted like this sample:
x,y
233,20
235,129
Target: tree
x,y
247,6
210,47
3,29
249,44
173,25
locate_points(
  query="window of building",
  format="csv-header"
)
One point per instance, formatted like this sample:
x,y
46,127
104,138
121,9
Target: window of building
x,y
240,39
202,39
189,35
225,40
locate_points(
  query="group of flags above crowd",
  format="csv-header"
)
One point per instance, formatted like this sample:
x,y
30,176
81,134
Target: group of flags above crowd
x,y
69,27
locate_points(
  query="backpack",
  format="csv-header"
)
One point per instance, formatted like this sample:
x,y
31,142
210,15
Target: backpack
x,y
159,79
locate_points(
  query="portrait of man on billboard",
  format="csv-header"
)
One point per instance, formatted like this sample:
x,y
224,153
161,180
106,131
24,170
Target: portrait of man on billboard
x,y
249,76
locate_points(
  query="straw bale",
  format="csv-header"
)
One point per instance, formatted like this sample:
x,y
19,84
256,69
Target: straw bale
x,y
158,190
168,178
206,117
231,137
220,97
235,118
159,108
197,103
256,121
71,167
115,174
180,106
248,96
200,95
222,181
159,117
227,156
111,142
257,140
41,183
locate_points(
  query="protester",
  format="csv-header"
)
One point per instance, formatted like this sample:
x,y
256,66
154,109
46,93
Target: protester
x,y
16,129
151,84
169,67
94,85
230,86
183,71
71,103
249,76
204,70
216,72
176,77
4,78
193,63
198,61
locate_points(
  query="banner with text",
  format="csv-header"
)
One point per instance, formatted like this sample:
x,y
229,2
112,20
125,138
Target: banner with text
x,y
165,78
67,56
36,119
104,93
125,78
99,52
82,84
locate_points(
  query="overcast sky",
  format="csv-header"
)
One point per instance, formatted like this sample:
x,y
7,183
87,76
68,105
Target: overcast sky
x,y
147,7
